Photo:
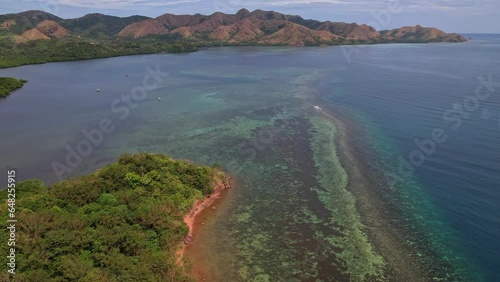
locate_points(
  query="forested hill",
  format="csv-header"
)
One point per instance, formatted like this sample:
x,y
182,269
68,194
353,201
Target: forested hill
x,y
245,27
33,37
122,223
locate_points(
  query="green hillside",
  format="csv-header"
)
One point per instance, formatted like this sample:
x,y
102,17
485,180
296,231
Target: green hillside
x,y
122,223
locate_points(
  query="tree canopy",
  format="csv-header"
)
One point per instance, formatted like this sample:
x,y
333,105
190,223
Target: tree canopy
x,y
121,223
9,84
74,49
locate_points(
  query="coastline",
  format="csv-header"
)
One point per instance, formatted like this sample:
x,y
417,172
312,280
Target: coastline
x,y
222,183
49,61
8,85
8,64
401,261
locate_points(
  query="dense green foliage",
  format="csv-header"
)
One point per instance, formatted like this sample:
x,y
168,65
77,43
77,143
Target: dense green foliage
x,y
122,223
43,51
25,20
9,84
99,26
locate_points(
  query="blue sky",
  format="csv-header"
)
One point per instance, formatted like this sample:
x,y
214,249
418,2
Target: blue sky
x,y
464,16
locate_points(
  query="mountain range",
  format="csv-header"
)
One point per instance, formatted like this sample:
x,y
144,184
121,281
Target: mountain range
x,y
243,28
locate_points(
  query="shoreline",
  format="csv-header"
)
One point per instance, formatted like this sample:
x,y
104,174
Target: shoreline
x,y
222,183
202,47
9,85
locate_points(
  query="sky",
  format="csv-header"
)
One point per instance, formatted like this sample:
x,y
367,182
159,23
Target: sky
x,y
462,16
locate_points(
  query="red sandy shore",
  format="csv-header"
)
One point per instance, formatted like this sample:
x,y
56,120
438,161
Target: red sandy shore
x,y
220,185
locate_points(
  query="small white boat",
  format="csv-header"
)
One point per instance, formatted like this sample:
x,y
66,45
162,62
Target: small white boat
x,y
317,108
98,90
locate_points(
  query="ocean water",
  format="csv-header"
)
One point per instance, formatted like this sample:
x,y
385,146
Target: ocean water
x,y
355,190
416,86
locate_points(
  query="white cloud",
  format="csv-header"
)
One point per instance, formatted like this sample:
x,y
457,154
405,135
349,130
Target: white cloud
x,y
117,4
350,6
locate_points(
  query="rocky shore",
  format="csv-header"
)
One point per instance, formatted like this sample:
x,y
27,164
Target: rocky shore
x,y
222,182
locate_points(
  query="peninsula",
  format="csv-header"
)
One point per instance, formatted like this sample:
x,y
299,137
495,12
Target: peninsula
x,y
9,84
121,223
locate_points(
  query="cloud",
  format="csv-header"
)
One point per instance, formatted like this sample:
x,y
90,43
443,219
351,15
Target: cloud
x,y
117,4
451,5
347,6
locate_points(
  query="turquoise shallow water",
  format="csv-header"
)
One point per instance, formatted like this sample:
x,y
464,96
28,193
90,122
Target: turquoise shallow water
x,y
249,109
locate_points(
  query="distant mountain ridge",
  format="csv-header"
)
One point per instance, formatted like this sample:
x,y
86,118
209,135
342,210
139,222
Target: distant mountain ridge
x,y
243,28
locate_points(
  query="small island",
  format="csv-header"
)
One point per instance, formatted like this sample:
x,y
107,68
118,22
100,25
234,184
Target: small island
x,y
9,84
124,222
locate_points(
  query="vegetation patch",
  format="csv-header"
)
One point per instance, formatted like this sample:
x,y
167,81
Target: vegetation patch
x,y
44,51
122,223
9,84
